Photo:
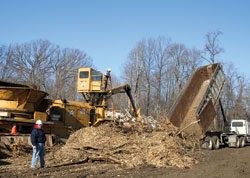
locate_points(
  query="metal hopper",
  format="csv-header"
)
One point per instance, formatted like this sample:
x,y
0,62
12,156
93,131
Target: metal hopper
x,y
18,97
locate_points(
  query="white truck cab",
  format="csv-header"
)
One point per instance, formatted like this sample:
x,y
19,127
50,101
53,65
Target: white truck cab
x,y
240,127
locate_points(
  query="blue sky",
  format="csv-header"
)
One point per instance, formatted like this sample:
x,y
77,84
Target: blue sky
x,y
108,30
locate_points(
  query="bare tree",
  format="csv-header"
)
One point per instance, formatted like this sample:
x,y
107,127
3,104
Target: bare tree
x,y
64,72
157,70
239,110
182,63
6,64
42,64
135,69
32,62
148,65
161,50
192,61
247,100
178,53
134,74
235,96
212,47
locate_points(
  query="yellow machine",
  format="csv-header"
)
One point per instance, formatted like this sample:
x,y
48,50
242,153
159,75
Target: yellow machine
x,y
96,90
68,116
22,105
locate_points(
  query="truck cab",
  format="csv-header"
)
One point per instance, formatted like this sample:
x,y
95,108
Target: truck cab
x,y
240,127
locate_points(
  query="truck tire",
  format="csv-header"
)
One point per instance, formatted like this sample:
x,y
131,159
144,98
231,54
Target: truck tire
x,y
242,141
203,144
237,142
209,141
216,142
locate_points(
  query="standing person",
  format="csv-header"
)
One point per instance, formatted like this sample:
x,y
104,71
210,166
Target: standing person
x,y
38,139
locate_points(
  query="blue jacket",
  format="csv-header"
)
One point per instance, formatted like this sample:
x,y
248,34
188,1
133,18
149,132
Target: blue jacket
x,y
37,136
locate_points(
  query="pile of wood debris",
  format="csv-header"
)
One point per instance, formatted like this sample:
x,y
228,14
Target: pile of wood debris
x,y
18,149
129,144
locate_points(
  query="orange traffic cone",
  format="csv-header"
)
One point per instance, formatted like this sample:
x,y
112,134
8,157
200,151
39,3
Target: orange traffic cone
x,y
13,130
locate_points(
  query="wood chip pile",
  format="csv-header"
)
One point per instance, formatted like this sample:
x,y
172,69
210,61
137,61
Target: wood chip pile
x,y
130,144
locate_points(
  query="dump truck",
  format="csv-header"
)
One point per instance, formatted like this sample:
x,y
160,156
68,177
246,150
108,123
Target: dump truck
x,y
197,105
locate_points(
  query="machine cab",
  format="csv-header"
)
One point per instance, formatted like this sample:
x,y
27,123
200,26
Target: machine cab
x,y
89,80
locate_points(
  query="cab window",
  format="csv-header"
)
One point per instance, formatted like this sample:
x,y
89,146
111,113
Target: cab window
x,y
84,74
237,124
96,76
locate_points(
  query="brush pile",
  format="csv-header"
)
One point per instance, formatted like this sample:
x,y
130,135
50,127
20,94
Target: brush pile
x,y
19,148
130,144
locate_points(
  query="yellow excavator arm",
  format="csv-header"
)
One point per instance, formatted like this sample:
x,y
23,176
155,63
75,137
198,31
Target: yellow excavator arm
x,y
95,89
124,89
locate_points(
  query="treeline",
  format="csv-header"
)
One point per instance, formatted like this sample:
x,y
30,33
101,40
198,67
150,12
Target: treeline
x,y
156,69
44,65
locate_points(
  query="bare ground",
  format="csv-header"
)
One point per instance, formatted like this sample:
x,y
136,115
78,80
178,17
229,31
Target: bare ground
x,y
225,162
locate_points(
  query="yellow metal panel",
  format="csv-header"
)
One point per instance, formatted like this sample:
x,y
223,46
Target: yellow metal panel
x,y
71,117
21,94
75,114
23,119
59,103
84,80
13,105
40,116
96,85
100,112
83,117
89,80
20,98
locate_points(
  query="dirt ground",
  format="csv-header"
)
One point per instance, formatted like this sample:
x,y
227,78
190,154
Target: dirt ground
x,y
225,162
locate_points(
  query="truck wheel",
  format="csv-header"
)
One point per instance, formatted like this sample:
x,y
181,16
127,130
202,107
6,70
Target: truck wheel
x,y
216,142
203,144
209,141
242,141
237,142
